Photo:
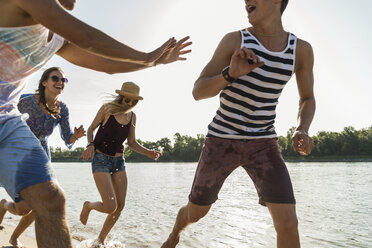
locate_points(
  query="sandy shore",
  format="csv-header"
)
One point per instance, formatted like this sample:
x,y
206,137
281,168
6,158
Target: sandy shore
x,y
6,232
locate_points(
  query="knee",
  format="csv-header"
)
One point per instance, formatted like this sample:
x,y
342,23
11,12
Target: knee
x,y
110,206
195,212
120,207
50,199
116,214
287,225
193,218
22,209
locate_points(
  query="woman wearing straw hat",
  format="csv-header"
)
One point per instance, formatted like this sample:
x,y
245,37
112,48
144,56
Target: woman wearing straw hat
x,y
116,123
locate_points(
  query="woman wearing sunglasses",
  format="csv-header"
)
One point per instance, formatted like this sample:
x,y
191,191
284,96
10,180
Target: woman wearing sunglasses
x,y
116,124
45,112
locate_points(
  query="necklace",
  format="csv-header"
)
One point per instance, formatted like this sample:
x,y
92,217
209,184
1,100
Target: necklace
x,y
53,112
268,35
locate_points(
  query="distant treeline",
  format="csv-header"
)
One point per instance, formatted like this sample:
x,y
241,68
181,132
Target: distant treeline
x,y
348,145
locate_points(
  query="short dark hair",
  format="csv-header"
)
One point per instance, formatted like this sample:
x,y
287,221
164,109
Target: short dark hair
x,y
283,6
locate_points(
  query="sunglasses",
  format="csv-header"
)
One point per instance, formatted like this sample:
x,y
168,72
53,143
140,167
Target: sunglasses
x,y
56,79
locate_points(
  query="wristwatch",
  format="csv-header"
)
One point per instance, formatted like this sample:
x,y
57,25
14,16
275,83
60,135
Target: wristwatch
x,y
226,75
90,144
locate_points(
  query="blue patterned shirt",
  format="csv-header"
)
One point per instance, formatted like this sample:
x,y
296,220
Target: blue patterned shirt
x,y
42,124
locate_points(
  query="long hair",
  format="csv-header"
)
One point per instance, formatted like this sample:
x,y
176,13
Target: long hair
x,y
115,107
41,91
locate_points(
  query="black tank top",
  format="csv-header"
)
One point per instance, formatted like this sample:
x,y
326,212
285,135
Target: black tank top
x,y
111,136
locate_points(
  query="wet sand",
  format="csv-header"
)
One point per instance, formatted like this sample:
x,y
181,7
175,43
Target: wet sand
x,y
5,233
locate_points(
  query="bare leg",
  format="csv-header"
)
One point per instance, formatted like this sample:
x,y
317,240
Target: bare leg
x,y
2,210
188,214
25,222
286,224
17,244
47,201
106,190
19,208
119,181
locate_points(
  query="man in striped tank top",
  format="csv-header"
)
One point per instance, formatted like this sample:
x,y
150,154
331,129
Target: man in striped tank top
x,y
256,63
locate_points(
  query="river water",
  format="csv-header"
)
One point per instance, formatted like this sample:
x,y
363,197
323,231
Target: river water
x,y
334,207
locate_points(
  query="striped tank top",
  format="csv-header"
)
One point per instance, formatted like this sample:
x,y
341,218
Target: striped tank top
x,y
247,106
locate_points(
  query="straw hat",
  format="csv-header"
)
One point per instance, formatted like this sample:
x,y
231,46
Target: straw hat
x,y
131,90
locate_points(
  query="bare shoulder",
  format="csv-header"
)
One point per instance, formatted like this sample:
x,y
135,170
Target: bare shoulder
x,y
225,49
133,116
101,114
304,54
231,41
102,109
303,46
133,119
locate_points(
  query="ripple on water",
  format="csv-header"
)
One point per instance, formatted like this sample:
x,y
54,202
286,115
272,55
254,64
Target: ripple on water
x,y
333,207
91,243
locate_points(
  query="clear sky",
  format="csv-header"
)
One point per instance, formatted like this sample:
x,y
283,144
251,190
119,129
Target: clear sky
x,y
339,31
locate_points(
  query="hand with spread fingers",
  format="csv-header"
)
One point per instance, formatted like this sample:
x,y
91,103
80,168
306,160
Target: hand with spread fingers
x,y
243,61
302,142
174,52
79,132
160,51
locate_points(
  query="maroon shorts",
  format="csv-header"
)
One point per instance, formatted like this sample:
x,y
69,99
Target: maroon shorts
x,y
261,159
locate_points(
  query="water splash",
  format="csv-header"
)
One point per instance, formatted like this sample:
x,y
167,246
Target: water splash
x,y
92,243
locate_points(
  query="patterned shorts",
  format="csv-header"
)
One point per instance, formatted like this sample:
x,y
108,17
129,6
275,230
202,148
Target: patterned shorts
x,y
261,159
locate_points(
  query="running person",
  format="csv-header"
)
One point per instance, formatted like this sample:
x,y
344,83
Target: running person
x,y
116,124
249,70
45,112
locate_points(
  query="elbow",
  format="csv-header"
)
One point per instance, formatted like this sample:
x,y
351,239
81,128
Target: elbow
x,y
130,143
309,99
196,94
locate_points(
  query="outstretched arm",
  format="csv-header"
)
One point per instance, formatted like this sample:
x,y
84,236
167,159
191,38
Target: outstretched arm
x,y
301,141
135,146
51,14
228,52
81,57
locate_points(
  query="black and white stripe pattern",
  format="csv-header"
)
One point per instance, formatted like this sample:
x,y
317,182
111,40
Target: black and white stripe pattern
x,y
247,106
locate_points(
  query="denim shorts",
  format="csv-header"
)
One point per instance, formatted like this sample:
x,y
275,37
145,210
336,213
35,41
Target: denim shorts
x,y
23,161
105,163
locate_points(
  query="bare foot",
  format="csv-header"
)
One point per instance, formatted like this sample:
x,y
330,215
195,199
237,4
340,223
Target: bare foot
x,y
171,242
97,244
2,210
16,243
84,213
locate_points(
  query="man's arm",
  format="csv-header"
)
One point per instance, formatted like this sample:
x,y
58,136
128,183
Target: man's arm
x,y
50,14
210,81
83,58
301,140
228,52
